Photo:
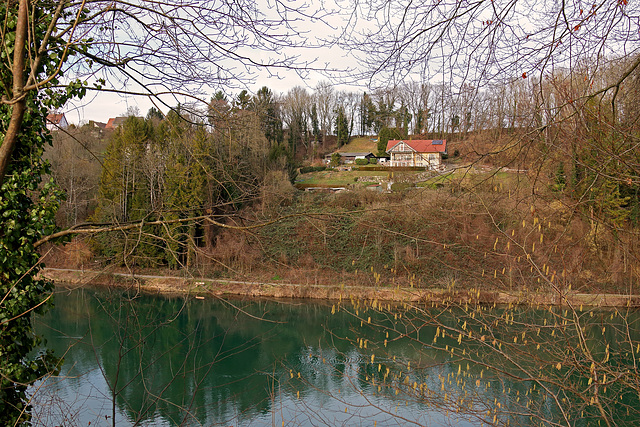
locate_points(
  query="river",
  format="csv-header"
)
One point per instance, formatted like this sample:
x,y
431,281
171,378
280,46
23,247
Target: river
x,y
156,361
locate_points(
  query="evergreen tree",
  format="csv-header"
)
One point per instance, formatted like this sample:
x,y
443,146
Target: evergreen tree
x,y
243,100
342,127
386,134
367,114
268,112
314,123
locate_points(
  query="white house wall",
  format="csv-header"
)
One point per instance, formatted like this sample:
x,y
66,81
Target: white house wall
x,y
414,159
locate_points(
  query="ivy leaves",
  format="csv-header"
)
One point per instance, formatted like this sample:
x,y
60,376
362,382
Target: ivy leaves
x,y
27,204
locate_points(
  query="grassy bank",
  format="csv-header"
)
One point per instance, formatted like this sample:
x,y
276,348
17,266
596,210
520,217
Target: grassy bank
x,y
207,288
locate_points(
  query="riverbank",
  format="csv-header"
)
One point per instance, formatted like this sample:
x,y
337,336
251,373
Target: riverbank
x,y
215,288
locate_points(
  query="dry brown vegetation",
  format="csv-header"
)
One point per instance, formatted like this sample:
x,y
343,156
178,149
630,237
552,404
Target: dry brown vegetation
x,y
496,224
455,237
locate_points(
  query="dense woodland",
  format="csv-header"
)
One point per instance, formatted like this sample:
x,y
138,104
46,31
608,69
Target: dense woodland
x,y
193,174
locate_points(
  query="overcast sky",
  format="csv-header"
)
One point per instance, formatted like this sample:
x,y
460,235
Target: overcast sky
x,y
100,106
444,42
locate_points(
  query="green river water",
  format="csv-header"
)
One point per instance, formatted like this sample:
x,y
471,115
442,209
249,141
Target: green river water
x,y
156,361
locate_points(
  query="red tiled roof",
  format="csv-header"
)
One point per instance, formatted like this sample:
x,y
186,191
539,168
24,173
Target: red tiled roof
x,y
54,118
115,122
421,145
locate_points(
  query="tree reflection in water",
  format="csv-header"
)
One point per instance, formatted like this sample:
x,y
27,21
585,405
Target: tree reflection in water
x,y
173,361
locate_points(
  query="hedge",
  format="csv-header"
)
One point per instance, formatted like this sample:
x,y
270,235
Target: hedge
x,y
307,169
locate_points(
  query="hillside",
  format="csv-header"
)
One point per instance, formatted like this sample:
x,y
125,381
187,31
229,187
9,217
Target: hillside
x,y
359,145
498,218
476,229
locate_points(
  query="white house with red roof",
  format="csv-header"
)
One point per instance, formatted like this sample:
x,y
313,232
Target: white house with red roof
x,y
425,153
56,121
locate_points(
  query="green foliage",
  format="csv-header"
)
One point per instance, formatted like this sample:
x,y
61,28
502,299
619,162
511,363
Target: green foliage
x,y
122,182
560,178
243,100
387,134
308,169
403,116
342,127
362,162
154,114
314,123
367,114
611,205
420,121
267,109
604,172
336,159
373,161
175,171
27,211
220,96
455,122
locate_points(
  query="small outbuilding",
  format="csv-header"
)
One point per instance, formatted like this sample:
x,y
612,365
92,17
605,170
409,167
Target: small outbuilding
x,y
349,157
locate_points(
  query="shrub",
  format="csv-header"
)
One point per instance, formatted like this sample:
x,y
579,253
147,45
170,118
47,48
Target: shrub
x,y
276,190
401,186
362,162
373,161
308,169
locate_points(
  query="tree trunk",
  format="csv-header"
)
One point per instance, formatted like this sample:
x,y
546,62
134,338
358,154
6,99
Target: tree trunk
x,y
18,100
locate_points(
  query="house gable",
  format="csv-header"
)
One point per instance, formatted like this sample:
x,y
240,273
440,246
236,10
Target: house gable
x,y
400,147
57,121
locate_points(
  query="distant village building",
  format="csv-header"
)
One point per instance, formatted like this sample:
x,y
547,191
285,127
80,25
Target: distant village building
x,y
57,121
115,122
96,129
425,153
94,124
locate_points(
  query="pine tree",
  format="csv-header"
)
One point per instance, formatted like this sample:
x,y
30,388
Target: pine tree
x,y
342,127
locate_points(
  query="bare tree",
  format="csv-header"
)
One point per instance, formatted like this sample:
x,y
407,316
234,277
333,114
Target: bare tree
x,y
296,111
325,98
58,50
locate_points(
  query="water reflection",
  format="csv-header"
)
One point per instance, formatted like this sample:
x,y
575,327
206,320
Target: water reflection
x,y
171,361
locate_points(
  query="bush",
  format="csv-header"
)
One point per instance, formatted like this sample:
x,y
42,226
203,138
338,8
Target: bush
x,y
362,162
373,161
308,169
401,186
276,190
